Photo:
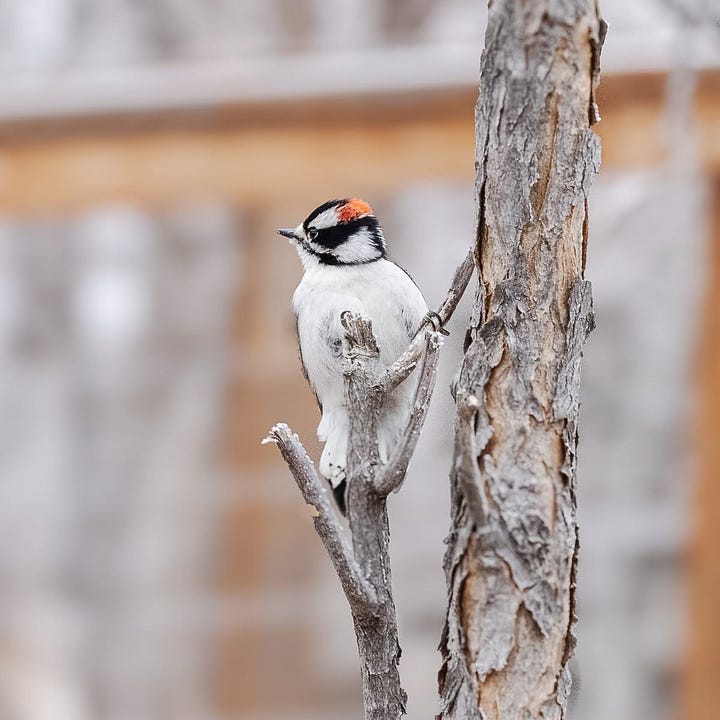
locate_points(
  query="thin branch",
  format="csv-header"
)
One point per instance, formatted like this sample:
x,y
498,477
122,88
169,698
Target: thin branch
x,y
406,363
459,283
393,475
331,529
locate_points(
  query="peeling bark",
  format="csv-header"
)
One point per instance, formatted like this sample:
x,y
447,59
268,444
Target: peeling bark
x,y
512,551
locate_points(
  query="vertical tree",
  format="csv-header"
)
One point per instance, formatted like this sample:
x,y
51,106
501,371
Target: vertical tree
x,y
512,553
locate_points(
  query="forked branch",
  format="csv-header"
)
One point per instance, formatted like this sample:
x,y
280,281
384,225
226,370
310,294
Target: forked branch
x,y
329,526
360,551
393,474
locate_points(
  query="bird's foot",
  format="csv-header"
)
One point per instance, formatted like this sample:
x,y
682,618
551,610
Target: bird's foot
x,y
336,474
436,321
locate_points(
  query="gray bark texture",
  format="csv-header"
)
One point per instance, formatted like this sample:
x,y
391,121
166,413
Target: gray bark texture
x,y
359,548
512,551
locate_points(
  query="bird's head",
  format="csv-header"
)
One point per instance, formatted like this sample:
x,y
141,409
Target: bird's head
x,y
339,232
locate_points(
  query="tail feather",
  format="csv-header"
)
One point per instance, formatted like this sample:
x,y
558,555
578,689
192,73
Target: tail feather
x,y
334,429
334,455
340,493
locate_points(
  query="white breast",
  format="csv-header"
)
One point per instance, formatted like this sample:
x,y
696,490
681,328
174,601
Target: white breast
x,y
379,290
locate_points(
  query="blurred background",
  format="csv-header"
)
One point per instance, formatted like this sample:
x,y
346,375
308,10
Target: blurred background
x,y
156,562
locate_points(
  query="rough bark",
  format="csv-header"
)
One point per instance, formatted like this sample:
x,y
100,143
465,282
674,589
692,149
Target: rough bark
x,y
512,551
359,549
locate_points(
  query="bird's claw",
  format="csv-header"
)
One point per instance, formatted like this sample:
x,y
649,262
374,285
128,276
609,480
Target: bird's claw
x,y
337,474
436,321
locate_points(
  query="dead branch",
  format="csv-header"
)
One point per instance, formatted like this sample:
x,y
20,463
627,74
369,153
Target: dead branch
x,y
333,532
406,363
393,475
360,551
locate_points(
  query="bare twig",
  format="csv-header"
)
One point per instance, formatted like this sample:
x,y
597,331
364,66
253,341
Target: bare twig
x,y
331,529
459,283
406,363
393,475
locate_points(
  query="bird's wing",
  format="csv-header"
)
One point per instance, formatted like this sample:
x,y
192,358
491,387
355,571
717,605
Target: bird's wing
x,y
325,356
302,365
413,307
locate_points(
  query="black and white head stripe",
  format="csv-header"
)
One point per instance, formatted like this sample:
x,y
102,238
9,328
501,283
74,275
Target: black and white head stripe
x,y
343,232
324,216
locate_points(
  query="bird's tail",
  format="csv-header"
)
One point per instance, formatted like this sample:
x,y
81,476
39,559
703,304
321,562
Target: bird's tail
x,y
339,491
334,430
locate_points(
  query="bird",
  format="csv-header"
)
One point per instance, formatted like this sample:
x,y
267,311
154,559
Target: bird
x,y
343,252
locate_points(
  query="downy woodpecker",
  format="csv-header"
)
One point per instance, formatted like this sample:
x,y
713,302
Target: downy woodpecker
x,y
342,250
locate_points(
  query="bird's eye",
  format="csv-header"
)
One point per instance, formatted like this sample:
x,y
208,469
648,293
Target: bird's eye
x,y
312,233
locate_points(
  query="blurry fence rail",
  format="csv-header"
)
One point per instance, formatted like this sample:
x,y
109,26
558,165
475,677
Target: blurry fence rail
x,y
267,152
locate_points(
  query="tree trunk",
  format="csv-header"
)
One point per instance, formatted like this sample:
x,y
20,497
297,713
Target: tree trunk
x,y
512,552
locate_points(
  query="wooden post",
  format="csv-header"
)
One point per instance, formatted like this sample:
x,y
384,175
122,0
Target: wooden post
x,y
702,686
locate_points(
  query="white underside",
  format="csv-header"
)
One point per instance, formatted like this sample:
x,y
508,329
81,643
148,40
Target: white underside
x,y
382,292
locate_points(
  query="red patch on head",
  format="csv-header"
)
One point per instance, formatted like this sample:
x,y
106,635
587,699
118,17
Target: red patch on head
x,y
353,209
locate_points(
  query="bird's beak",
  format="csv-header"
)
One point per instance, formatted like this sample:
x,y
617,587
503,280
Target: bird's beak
x,y
288,233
